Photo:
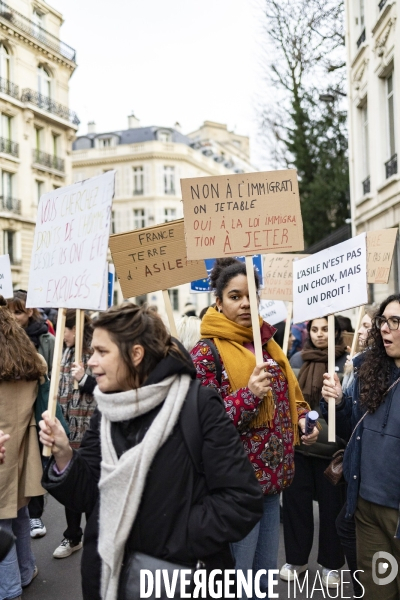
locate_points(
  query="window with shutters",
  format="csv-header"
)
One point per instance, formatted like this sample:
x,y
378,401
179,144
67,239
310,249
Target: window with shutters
x,y
169,180
169,214
139,218
138,181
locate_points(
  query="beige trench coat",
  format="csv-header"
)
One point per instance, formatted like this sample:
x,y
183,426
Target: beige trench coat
x,y
21,473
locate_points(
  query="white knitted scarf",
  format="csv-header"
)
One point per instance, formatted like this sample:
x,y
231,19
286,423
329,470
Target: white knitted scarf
x,y
122,481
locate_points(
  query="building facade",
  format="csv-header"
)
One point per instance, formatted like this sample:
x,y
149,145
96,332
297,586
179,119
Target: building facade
x,y
373,58
149,163
36,126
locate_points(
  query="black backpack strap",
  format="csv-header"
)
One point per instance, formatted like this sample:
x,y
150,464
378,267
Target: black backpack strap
x,y
217,360
190,426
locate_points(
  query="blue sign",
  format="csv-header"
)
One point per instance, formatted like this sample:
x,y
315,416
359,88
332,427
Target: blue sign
x,y
203,285
110,290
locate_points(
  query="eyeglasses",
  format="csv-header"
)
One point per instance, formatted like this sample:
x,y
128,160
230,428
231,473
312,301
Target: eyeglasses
x,y
392,322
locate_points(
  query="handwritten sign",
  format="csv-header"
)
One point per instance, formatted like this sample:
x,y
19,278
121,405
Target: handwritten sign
x,y
278,276
204,285
6,285
380,247
68,264
235,215
329,281
153,258
273,311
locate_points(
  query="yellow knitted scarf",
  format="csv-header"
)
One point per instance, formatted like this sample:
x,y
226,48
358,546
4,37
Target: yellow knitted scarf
x,y
239,363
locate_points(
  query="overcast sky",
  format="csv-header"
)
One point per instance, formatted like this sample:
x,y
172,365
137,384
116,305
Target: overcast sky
x,y
167,61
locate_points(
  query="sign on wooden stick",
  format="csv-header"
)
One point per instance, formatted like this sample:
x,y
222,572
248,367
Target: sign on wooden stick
x,y
69,256
244,214
154,258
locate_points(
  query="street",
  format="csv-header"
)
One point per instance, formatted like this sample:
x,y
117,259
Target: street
x,y
60,579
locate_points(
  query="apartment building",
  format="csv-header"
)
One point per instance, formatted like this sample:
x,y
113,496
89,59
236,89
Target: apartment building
x,y
36,125
149,162
373,58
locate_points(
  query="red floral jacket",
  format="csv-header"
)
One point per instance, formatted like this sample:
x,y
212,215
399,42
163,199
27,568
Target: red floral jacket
x,y
270,451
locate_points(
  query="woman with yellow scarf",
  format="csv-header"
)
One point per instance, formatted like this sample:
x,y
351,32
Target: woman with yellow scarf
x,y
264,402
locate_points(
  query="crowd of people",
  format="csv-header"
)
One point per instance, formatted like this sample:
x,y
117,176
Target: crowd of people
x,y
181,452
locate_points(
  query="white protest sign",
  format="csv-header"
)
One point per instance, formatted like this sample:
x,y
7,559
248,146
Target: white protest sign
x,y
329,281
6,286
272,311
69,256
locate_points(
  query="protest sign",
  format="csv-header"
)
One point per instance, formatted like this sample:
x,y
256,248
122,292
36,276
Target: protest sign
x,y
278,284
380,248
244,214
69,253
329,281
278,276
204,285
6,286
272,311
154,258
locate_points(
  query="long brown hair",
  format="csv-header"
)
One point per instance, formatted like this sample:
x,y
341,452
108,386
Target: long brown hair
x,y
128,325
19,359
70,322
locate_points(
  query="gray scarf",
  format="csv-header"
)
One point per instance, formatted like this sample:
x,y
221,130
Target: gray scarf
x,y
122,481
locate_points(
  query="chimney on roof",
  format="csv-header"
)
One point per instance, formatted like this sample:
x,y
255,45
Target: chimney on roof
x,y
178,127
133,122
91,127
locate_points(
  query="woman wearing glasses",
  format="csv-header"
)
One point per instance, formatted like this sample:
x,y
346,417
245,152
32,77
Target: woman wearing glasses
x,y
371,411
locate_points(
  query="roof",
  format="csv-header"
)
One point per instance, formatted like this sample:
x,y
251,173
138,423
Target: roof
x,y
131,136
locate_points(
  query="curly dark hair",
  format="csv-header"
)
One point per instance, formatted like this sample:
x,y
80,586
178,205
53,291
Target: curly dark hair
x,y
226,269
376,369
129,324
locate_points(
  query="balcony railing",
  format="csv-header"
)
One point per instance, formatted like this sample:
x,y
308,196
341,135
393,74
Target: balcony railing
x,y
391,166
366,185
9,88
361,39
48,160
382,4
50,105
10,204
33,29
9,147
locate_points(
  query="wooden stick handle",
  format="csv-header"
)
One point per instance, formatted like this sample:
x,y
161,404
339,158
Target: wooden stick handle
x,y
79,321
55,372
170,314
331,371
255,323
358,325
286,335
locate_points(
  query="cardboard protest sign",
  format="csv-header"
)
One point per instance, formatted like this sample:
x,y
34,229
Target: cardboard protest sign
x,y
380,247
154,258
278,276
6,285
69,253
245,214
329,281
272,311
204,285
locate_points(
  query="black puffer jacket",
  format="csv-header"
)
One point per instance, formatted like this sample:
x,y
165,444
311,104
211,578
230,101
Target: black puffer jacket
x,y
183,516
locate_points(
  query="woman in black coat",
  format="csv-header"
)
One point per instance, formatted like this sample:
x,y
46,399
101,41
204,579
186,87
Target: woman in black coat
x,y
136,459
